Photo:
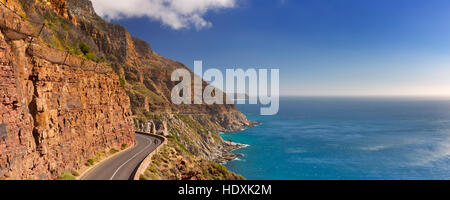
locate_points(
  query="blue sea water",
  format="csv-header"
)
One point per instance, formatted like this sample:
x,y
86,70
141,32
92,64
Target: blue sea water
x,y
316,138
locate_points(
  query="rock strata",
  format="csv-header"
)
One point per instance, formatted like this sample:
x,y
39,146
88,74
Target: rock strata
x,y
53,117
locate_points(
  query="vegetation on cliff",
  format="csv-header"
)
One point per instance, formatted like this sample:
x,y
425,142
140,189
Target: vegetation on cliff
x,y
175,162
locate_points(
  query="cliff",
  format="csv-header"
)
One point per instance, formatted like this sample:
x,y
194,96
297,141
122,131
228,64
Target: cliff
x,y
54,116
77,85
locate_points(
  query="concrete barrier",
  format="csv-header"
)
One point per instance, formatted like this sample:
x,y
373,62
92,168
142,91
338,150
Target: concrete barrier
x,y
144,164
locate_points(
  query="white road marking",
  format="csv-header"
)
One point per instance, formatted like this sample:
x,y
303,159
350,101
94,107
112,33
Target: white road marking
x,y
131,158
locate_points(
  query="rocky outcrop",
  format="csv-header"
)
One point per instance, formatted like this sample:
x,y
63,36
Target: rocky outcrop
x,y
59,6
157,127
54,115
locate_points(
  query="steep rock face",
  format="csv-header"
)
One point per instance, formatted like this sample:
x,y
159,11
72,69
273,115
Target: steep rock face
x,y
54,115
59,6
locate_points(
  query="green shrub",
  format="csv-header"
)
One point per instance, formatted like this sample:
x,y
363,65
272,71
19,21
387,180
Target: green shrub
x,y
124,146
90,162
222,169
113,151
91,56
85,49
122,82
176,141
99,155
205,172
142,177
66,176
73,50
23,16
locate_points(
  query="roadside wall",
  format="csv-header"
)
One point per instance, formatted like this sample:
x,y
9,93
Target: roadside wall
x,y
144,164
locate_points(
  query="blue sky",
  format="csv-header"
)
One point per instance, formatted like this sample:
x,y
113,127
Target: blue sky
x,y
322,47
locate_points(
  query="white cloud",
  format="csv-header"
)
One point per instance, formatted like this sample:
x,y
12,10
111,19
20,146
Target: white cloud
x,y
177,14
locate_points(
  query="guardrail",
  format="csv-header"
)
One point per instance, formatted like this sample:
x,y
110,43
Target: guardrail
x,y
144,164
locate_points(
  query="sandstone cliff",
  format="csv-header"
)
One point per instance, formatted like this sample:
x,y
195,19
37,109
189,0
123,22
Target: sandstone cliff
x,y
53,116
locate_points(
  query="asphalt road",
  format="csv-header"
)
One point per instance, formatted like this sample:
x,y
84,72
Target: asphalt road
x,y
124,165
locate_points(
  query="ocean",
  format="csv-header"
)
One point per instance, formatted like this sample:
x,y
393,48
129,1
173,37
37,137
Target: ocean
x,y
332,138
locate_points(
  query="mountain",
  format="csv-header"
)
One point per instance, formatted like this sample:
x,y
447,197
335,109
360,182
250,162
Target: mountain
x,y
74,86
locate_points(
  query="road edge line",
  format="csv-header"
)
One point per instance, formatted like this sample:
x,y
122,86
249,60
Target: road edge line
x,y
96,165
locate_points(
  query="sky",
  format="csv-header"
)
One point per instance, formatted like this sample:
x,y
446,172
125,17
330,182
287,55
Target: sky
x,y
322,47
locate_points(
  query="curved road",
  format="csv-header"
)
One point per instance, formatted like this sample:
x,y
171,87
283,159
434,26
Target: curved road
x,y
124,165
